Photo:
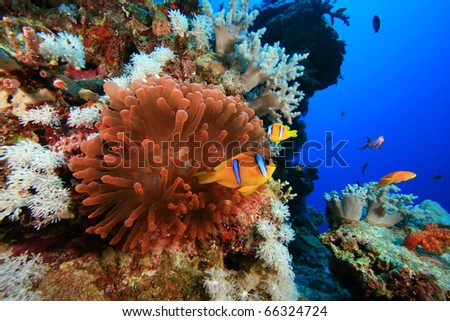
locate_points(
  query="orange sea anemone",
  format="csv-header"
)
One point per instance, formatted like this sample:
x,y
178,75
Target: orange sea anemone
x,y
139,173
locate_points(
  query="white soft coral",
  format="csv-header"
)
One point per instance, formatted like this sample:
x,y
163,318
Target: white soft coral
x,y
178,22
276,256
142,65
33,183
228,26
45,115
18,275
202,31
84,117
65,47
271,66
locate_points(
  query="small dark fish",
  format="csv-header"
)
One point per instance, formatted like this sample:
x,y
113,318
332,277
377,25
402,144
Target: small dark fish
x,y
342,113
364,167
358,183
376,23
340,10
437,177
221,6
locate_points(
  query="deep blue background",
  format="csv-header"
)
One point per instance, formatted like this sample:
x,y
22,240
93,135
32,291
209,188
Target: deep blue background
x,y
397,84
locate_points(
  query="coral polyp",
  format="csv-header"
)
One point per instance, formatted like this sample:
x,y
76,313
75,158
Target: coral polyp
x,y
139,172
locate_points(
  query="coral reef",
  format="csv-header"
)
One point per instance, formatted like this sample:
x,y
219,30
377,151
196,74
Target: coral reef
x,y
153,139
300,27
371,262
33,183
372,266
81,267
432,240
110,108
19,275
427,212
377,205
378,261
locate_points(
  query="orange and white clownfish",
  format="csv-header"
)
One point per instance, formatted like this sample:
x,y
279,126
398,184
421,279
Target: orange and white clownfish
x,y
245,171
278,132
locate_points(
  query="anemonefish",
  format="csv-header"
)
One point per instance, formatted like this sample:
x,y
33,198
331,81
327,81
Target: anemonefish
x,y
395,177
245,171
278,132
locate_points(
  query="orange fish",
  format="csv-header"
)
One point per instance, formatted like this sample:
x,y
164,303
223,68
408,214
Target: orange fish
x,y
278,132
245,171
395,177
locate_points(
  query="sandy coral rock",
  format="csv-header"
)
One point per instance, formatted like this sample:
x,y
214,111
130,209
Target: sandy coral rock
x,y
371,262
117,275
428,212
21,99
73,281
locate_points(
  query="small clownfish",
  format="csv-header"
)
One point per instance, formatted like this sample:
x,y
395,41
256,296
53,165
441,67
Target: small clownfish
x,y
395,177
278,132
245,171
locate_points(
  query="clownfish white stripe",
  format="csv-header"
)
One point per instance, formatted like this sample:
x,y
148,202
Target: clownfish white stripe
x,y
281,132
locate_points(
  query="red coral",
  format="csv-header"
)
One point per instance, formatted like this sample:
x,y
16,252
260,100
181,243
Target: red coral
x,y
104,47
433,239
154,138
78,74
161,28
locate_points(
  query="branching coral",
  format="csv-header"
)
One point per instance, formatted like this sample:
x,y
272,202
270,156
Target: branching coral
x,y
270,65
156,135
228,26
382,207
385,208
350,204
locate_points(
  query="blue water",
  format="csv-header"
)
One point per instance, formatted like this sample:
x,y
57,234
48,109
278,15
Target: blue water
x,y
396,84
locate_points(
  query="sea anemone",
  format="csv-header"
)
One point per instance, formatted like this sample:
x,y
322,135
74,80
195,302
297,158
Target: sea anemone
x,y
139,173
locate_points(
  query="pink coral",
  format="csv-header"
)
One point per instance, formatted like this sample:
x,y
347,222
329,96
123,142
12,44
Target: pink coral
x,y
139,174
